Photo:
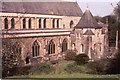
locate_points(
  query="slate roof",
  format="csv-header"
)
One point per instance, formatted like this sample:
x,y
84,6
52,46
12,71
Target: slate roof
x,y
88,32
87,21
54,8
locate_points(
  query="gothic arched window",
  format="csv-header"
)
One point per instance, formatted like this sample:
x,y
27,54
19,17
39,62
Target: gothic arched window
x,y
82,48
53,23
39,22
35,49
6,23
51,49
29,23
24,23
44,23
64,45
12,23
58,23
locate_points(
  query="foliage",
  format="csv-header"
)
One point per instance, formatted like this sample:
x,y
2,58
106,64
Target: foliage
x,y
81,59
74,68
117,9
10,58
20,70
117,14
43,68
113,67
70,55
97,67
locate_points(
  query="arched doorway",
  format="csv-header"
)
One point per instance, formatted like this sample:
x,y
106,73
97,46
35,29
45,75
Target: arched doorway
x,y
27,58
51,49
64,45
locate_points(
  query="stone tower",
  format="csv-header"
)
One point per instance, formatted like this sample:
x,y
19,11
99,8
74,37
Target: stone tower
x,y
90,37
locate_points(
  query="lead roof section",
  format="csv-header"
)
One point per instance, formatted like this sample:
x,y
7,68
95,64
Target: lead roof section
x,y
50,8
87,21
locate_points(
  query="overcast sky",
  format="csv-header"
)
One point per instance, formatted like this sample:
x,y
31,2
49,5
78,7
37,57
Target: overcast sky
x,y
97,7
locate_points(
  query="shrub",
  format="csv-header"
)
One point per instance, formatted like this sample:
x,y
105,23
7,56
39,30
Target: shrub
x,y
73,68
15,71
113,66
43,68
97,67
23,70
70,55
81,59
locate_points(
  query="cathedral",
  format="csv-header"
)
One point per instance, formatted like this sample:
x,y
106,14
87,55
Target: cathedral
x,y
50,28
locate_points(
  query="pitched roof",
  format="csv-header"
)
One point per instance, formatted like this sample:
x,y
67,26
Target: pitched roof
x,y
52,8
88,32
87,21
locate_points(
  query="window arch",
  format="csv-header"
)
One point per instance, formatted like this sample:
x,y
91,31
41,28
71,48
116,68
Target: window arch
x,y
44,23
29,23
24,23
39,22
51,49
53,23
64,45
82,48
73,46
12,23
35,49
71,24
58,23
6,23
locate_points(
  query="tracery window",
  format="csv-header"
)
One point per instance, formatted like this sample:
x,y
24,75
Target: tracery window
x,y
51,49
35,49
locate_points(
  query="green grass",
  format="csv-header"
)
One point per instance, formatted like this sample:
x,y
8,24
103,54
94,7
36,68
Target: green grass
x,y
75,75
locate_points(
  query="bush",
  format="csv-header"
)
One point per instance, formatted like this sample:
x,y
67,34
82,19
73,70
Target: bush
x,y
15,71
97,67
70,55
81,59
73,68
43,68
113,66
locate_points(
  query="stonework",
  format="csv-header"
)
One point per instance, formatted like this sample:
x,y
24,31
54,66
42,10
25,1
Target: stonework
x,y
53,41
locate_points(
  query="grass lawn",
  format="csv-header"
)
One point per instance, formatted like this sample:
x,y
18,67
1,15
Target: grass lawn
x,y
75,75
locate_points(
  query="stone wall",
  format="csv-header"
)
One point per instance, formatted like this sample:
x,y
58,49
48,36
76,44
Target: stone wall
x,y
27,43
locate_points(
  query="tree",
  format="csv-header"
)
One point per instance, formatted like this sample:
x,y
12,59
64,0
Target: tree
x,y
117,13
113,67
10,55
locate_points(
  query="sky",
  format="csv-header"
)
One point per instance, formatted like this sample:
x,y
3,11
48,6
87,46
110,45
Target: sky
x,y
97,7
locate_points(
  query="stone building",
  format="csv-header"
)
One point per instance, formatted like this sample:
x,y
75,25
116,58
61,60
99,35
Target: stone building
x,y
43,28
